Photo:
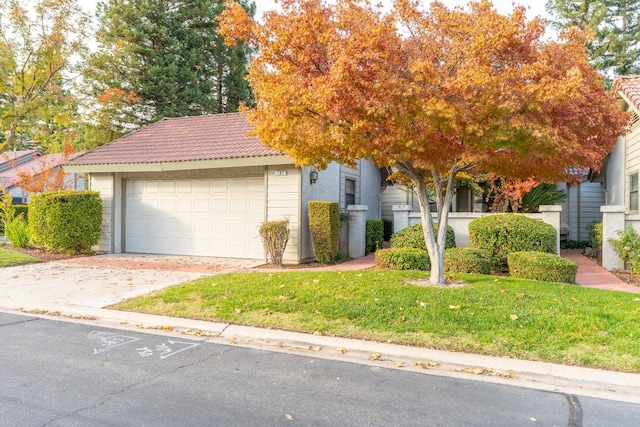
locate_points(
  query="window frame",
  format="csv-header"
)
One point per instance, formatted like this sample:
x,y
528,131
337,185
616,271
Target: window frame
x,y
634,185
349,196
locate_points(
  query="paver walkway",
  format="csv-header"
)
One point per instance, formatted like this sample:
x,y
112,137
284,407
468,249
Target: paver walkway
x,y
592,275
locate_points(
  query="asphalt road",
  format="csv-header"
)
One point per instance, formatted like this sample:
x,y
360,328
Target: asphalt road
x,y
67,374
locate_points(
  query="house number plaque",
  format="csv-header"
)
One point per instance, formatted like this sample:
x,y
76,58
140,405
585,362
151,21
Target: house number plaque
x,y
281,173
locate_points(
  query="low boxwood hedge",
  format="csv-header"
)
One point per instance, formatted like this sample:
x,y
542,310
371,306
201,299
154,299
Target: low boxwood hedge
x,y
403,259
413,237
466,260
374,235
500,235
542,266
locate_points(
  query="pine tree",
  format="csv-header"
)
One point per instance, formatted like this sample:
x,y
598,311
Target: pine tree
x,y
615,48
164,58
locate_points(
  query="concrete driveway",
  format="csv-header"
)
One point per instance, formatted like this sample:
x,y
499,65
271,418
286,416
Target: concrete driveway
x,y
101,280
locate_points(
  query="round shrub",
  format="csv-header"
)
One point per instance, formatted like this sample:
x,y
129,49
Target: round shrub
x,y
466,260
499,235
403,259
413,237
542,266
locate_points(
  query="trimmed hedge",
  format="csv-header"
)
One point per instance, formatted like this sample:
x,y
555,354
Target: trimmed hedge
x,y
413,237
466,260
374,235
388,229
542,266
324,224
66,221
499,235
403,259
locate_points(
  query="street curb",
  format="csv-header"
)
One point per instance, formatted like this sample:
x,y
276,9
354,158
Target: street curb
x,y
544,376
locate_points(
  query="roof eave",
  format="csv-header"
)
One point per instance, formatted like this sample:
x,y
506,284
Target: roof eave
x,y
278,159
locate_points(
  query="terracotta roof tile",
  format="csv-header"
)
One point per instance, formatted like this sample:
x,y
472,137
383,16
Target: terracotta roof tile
x,y
183,139
629,86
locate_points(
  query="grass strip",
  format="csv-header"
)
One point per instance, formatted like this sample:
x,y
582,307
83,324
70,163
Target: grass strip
x,y
491,315
10,258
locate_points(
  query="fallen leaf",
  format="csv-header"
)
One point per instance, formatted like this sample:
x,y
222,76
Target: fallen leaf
x,y
281,345
123,322
513,317
399,364
533,419
289,417
341,350
374,356
237,311
502,291
454,307
232,340
314,348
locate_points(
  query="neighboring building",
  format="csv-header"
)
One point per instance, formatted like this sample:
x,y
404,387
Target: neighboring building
x,y
32,162
201,186
620,170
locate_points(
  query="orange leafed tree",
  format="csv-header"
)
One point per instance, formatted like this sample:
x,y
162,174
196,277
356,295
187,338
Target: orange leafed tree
x,y
46,175
432,93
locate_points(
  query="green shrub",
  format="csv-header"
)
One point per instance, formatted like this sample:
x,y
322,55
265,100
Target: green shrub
x,y
573,244
275,235
388,229
403,259
17,231
542,266
374,235
499,235
66,221
7,209
413,237
22,210
594,228
466,260
627,246
324,225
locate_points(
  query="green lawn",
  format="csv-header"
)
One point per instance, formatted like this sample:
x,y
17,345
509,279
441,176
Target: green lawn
x,y
9,258
492,315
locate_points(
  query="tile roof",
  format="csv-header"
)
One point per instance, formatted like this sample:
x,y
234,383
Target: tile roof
x,y
629,86
183,139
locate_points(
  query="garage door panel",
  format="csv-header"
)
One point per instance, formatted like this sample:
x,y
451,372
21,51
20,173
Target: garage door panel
x,y
195,217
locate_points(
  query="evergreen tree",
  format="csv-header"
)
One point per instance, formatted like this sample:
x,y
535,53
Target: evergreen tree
x,y
163,58
615,48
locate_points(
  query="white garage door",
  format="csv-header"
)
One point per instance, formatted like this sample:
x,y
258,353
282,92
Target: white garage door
x,y
208,217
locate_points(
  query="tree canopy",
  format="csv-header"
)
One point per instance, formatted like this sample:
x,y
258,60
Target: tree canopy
x,y
431,93
164,58
615,46
40,45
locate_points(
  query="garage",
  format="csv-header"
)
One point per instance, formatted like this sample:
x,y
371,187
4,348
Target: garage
x,y
203,217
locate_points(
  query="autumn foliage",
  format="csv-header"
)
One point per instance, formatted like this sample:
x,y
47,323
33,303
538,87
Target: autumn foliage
x,y
431,93
45,175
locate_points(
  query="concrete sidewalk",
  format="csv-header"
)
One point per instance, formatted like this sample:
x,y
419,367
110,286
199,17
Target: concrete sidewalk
x,y
75,298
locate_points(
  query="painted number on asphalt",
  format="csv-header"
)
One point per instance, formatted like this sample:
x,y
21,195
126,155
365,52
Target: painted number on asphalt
x,y
107,341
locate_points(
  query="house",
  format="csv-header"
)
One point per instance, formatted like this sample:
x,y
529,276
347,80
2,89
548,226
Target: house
x,y
201,186
581,207
619,173
33,162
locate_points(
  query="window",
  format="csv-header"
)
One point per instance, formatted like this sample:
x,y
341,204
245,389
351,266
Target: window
x,y
349,192
633,192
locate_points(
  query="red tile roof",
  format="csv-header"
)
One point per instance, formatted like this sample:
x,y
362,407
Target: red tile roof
x,y
183,139
629,86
